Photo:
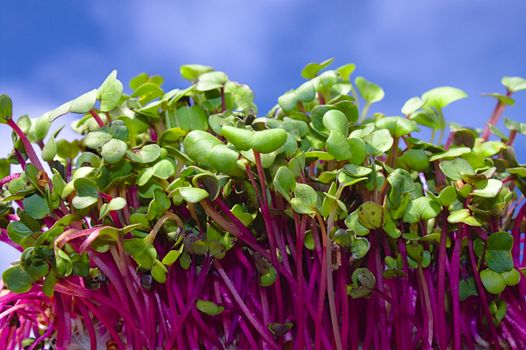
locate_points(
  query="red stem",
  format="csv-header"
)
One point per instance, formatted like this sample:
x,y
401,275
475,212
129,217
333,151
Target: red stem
x,y
511,139
454,280
33,158
495,116
96,117
441,282
482,294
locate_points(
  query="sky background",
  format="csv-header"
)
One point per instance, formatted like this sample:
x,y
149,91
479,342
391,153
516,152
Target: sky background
x,y
53,51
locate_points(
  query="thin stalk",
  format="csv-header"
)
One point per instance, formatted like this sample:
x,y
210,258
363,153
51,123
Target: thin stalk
x,y
365,110
300,231
454,285
97,118
380,278
482,294
190,303
33,158
330,282
511,138
255,323
495,116
428,307
223,102
441,284
322,287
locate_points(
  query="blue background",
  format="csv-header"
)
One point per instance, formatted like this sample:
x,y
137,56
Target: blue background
x,y
52,51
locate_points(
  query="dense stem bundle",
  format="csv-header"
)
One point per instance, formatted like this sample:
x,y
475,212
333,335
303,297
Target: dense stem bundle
x,y
181,221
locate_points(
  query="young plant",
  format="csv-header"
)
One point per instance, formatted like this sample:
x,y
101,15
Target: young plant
x,y
179,219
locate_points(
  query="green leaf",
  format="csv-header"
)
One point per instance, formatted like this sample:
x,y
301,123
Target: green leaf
x,y
149,153
193,71
172,256
390,228
305,198
504,99
488,149
346,70
415,159
191,118
113,151
369,91
359,247
305,92
338,146
18,232
356,170
440,97
50,150
267,141
518,171
84,103
117,203
110,92
284,181
500,241
312,69
163,169
36,206
401,184
192,194
268,278
148,92
498,252
87,193
422,208
6,108
492,281
353,223
514,84
159,272
380,141
447,196
412,105
325,80
208,307
48,287
491,189
397,126
158,205
63,263
428,118
371,215
358,150
288,101
96,139
243,139
39,129
197,142
512,277
514,125
467,288
458,216
363,281
335,120
451,153
17,280
456,168
224,159
211,81
343,238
